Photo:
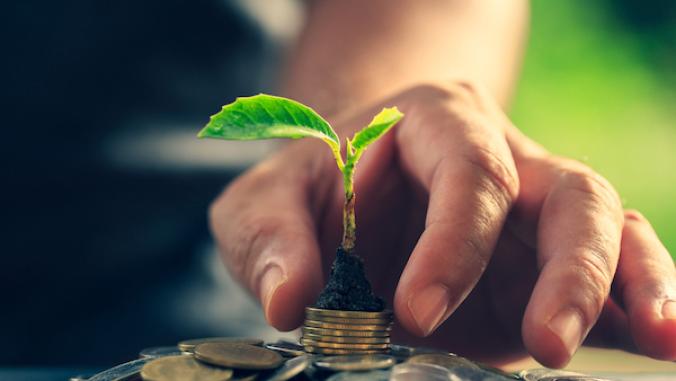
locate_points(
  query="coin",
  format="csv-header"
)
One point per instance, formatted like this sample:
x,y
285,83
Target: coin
x,y
153,352
239,356
189,345
286,348
330,319
368,327
420,372
447,360
311,311
344,339
331,351
322,344
121,372
338,332
290,369
373,375
540,373
355,362
182,368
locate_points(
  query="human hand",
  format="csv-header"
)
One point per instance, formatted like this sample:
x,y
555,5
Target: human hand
x,y
474,224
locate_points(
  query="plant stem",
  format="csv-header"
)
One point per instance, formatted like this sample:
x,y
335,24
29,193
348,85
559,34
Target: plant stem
x,y
349,224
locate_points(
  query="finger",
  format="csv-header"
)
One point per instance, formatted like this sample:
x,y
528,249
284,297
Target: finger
x,y
578,247
266,234
464,163
646,281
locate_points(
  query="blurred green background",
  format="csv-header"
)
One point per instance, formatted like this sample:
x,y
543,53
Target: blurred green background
x,y
598,85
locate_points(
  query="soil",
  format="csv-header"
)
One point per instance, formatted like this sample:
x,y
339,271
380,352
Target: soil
x,y
348,289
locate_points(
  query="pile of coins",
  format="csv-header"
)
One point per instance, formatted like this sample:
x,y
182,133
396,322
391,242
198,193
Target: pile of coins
x,y
338,332
243,359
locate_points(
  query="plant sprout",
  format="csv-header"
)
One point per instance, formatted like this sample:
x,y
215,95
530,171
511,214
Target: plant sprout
x,y
269,117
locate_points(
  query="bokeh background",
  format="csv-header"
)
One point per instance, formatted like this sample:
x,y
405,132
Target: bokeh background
x,y
105,248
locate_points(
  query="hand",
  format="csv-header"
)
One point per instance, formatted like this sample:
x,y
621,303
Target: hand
x,y
493,244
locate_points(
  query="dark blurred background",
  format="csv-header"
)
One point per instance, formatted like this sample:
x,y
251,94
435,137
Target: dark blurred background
x,y
105,248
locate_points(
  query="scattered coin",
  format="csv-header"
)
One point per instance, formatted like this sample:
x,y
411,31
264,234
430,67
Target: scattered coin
x,y
447,360
366,327
311,311
239,356
121,372
290,369
373,375
338,332
355,362
153,352
322,344
286,348
421,372
541,373
348,339
182,368
189,345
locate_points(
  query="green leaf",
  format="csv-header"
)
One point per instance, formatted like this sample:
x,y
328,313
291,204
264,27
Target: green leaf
x,y
268,117
380,124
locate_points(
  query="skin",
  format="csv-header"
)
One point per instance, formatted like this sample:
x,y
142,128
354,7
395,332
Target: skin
x,y
495,247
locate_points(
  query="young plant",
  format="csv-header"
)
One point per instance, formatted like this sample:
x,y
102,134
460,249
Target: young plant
x,y
269,117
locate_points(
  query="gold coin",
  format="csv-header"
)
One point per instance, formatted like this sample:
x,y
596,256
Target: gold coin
x,y
347,339
182,368
369,327
238,356
350,333
387,314
323,344
329,351
447,360
355,363
329,319
189,345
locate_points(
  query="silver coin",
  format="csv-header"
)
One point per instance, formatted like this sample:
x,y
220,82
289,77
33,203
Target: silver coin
x,y
290,368
541,373
355,363
421,372
447,360
122,371
373,375
286,348
154,352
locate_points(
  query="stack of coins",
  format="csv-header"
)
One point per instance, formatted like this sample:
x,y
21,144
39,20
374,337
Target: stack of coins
x,y
338,332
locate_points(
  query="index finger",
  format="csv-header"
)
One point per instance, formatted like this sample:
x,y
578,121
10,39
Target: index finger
x,y
458,154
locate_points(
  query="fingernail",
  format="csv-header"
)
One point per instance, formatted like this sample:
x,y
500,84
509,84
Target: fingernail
x,y
272,278
669,310
429,306
567,325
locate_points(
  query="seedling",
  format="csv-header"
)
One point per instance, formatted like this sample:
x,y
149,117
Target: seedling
x,y
269,117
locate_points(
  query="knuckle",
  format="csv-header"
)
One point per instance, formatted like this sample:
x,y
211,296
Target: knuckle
x,y
593,271
635,215
500,177
592,185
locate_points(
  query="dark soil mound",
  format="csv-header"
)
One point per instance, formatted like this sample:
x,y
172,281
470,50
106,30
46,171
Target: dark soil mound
x,y
348,289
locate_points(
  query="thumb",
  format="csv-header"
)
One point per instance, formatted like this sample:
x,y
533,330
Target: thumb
x,y
266,235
